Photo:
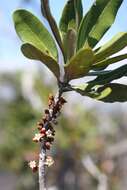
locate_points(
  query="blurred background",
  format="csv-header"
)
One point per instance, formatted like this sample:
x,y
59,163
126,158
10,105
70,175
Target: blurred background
x,y
90,149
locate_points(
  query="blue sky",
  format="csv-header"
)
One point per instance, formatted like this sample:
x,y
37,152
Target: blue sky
x,y
10,55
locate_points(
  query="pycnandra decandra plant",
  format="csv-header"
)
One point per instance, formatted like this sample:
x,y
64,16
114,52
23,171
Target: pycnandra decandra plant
x,y
76,37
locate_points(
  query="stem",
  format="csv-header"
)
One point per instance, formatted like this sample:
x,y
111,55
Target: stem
x,y
42,156
42,178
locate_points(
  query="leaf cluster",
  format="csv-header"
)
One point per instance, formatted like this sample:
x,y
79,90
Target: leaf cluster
x,y
77,37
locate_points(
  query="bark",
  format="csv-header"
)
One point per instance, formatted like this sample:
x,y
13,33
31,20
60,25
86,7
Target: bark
x,y
42,177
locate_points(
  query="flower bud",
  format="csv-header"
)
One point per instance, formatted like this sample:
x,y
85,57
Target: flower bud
x,y
43,130
46,111
62,100
47,145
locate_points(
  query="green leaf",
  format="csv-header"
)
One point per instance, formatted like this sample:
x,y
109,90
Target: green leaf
x,y
47,14
98,73
97,21
110,76
109,61
72,13
104,22
89,21
112,93
109,93
117,43
68,16
32,31
78,11
70,43
32,52
79,64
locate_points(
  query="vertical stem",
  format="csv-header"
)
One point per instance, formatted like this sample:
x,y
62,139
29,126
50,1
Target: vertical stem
x,y
42,155
42,178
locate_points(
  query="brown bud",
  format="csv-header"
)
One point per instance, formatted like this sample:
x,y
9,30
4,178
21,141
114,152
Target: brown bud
x,y
47,117
39,127
43,130
51,104
53,133
46,111
47,145
44,119
62,100
51,97
40,123
50,139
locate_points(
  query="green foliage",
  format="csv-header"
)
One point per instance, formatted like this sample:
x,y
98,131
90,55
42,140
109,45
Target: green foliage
x,y
79,64
70,43
106,62
110,76
104,22
117,43
76,36
110,93
97,21
33,53
72,14
78,11
69,23
33,32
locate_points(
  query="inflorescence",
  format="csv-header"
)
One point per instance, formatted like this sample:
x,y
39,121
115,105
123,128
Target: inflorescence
x,y
46,129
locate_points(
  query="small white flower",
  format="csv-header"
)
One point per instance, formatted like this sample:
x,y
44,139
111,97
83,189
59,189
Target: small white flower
x,y
37,137
49,161
49,133
33,165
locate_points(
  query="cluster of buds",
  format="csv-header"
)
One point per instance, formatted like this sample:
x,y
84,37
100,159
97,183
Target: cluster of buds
x,y
46,125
